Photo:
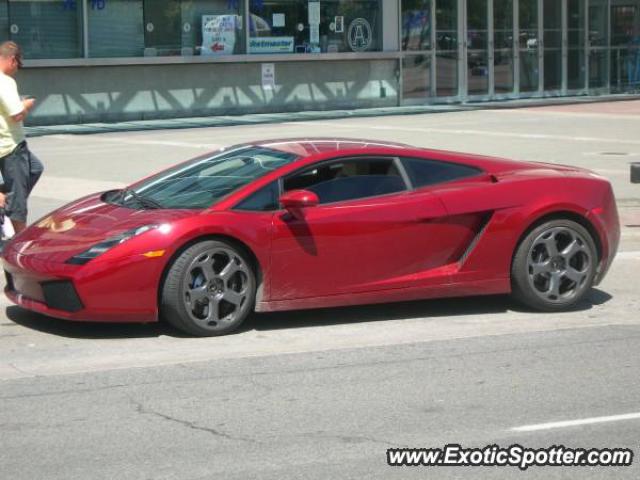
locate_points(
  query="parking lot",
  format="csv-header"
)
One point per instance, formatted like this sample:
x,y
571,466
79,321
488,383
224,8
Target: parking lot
x,y
324,393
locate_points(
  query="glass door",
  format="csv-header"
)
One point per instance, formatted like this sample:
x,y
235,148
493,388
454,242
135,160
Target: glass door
x,y
576,45
503,47
417,41
625,47
598,44
446,48
477,47
552,44
528,46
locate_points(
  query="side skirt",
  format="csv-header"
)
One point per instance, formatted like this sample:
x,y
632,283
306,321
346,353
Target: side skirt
x,y
492,286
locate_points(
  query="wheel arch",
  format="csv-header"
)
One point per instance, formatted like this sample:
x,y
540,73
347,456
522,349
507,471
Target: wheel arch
x,y
255,263
561,215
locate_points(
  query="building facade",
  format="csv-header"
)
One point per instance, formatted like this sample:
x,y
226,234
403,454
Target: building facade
x,y
119,60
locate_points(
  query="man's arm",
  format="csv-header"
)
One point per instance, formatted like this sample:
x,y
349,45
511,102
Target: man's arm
x,y
27,105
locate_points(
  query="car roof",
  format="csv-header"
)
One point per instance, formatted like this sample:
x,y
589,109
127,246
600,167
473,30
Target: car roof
x,y
305,147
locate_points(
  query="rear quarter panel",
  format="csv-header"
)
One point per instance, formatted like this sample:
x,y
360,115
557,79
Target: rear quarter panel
x,y
517,202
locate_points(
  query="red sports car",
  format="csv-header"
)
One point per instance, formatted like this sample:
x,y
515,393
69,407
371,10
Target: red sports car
x,y
308,223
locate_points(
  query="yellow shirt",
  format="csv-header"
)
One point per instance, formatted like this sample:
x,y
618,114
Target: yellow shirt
x,y
11,132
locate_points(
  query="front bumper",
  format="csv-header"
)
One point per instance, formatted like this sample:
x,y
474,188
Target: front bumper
x,y
122,291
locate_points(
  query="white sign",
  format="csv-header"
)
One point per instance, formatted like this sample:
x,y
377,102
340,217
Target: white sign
x,y
278,20
314,13
271,45
268,76
218,34
339,22
314,33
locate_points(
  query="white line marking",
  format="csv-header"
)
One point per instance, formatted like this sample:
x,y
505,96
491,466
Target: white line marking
x,y
575,423
484,133
138,141
575,113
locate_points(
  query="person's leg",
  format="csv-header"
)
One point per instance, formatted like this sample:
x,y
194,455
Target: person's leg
x,y
17,178
35,170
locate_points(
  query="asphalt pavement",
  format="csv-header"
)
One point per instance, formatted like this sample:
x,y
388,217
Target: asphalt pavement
x,y
324,393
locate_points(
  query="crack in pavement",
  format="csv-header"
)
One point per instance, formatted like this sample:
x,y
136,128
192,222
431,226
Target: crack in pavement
x,y
141,409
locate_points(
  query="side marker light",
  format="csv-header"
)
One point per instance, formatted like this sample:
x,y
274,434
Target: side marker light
x,y
154,254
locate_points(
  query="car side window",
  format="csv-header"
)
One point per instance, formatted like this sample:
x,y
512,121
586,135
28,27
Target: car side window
x,y
423,172
263,200
349,179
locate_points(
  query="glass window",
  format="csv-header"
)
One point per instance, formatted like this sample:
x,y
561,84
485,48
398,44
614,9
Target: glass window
x,y
625,28
598,38
302,26
134,28
212,27
349,179
4,21
598,23
416,24
552,24
429,172
264,200
503,46
416,76
446,48
625,35
201,182
45,28
116,28
528,41
576,55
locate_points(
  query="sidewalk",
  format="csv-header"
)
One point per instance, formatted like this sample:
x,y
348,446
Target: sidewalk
x,y
253,119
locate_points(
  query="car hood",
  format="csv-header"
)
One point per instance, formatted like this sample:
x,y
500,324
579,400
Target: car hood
x,y
77,226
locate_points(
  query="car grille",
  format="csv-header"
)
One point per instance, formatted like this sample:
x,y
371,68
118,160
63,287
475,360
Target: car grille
x,y
61,295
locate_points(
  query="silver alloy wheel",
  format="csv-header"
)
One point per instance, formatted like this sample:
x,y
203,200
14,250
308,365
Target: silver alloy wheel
x,y
559,263
216,287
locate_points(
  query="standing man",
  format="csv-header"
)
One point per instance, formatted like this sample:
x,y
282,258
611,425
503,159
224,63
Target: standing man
x,y
19,167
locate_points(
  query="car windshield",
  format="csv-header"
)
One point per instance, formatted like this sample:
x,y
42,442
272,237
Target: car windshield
x,y
203,181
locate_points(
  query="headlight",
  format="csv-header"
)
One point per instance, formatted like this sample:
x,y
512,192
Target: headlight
x,y
99,248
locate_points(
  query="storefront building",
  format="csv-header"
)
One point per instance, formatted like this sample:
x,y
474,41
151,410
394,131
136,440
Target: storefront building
x,y
118,60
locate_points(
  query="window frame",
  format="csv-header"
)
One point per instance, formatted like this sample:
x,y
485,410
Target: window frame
x,y
395,160
399,162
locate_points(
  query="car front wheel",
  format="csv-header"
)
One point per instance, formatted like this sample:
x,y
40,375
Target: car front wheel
x,y
209,289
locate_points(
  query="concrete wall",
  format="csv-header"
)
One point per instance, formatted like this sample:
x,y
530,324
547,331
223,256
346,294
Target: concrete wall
x,y
136,92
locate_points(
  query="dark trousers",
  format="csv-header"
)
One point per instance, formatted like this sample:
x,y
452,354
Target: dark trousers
x,y
20,170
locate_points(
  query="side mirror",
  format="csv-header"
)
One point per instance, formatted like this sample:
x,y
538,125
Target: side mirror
x,y
295,200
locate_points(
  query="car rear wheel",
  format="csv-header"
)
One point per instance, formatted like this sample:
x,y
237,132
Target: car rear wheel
x,y
554,266
209,289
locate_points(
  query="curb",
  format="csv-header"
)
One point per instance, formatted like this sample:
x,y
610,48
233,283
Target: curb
x,y
267,118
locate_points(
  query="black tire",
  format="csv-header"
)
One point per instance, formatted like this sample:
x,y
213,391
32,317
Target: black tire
x,y
209,290
537,269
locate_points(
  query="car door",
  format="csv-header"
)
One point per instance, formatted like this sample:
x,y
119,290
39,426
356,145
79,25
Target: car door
x,y
471,197
369,232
